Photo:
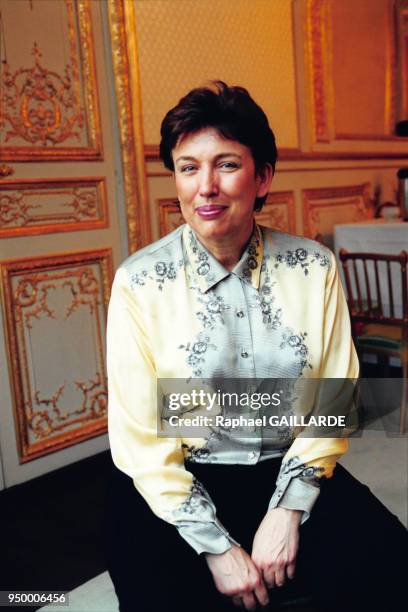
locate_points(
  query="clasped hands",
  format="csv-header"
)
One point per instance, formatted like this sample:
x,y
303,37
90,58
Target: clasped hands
x,y
245,578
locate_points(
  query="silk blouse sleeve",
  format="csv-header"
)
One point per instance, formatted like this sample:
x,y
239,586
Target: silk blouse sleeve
x,y
310,459
155,464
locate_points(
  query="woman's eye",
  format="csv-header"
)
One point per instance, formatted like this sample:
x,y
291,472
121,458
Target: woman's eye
x,y
229,165
188,168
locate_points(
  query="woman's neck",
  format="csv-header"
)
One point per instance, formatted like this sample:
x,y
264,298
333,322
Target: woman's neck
x,y
228,250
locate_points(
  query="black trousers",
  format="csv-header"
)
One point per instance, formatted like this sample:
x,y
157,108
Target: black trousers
x,y
352,552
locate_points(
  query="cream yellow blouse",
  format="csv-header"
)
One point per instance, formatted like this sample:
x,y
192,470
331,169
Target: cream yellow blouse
x,y
177,313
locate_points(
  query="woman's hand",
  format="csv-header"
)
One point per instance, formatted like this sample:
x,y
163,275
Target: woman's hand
x,y
276,544
236,576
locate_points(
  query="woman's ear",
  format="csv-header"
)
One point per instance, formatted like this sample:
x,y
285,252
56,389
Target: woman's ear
x,y
265,176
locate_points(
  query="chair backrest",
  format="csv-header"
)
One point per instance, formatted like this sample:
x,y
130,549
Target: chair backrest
x,y
376,287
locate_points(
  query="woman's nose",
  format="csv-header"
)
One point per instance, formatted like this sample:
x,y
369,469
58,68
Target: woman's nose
x,y
208,185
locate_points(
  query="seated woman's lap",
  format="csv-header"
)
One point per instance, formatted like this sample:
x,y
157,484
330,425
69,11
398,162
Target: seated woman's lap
x,y
345,544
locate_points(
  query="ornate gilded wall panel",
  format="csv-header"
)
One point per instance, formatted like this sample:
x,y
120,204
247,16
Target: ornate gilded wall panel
x,y
55,311
48,100
170,216
46,206
324,207
278,212
351,58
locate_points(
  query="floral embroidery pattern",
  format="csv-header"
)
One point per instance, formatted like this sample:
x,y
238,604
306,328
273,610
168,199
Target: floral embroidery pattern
x,y
202,262
294,467
297,343
195,500
301,257
214,305
252,258
163,271
271,317
196,351
200,455
138,278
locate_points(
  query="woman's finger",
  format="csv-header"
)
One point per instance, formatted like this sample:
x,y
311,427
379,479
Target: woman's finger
x,y
280,576
249,601
290,570
269,578
261,594
237,601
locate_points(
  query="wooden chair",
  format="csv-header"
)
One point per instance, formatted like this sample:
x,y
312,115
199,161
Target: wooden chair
x,y
372,283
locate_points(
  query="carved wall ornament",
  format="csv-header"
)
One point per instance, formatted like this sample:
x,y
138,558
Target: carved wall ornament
x,y
42,206
53,113
323,207
55,312
39,105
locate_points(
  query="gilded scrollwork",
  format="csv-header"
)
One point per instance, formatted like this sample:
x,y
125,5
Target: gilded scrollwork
x,y
93,405
354,200
39,105
49,206
42,296
53,113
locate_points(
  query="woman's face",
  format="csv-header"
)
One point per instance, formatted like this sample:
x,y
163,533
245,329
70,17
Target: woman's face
x,y
217,185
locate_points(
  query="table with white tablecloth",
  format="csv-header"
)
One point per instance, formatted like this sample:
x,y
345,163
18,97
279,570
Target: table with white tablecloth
x,y
376,236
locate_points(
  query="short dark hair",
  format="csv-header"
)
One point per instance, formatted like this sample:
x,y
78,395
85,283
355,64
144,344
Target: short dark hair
x,y
229,110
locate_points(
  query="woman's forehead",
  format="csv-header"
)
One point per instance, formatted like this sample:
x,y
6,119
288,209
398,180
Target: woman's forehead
x,y
207,141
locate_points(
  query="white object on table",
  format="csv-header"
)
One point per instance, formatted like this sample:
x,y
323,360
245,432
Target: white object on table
x,y
376,236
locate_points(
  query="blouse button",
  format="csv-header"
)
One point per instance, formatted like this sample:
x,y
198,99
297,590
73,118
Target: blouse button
x,y
240,314
252,455
244,354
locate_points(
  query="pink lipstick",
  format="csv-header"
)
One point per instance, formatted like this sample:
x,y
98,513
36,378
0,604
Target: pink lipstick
x,y
210,211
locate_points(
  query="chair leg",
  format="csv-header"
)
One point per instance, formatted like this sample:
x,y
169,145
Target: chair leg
x,y
404,399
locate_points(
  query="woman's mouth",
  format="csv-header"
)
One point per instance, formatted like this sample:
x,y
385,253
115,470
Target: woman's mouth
x,y
210,211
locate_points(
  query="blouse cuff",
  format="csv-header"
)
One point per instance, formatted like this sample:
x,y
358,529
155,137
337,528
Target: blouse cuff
x,y
299,495
297,487
206,537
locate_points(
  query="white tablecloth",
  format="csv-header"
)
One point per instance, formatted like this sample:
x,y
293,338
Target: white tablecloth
x,y
373,236
376,236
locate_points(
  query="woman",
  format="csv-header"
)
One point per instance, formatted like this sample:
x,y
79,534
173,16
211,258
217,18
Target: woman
x,y
221,297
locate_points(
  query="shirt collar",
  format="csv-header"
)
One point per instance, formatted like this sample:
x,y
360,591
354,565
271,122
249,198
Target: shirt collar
x,y
209,271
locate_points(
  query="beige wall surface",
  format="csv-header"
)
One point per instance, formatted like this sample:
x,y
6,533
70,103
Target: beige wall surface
x,y
362,30
185,43
311,64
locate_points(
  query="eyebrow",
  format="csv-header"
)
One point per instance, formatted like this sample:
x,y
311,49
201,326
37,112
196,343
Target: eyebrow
x,y
189,158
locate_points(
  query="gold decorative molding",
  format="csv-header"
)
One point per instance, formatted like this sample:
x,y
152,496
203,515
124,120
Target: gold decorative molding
x,y
39,105
6,170
128,99
43,108
317,40
278,212
401,9
170,217
55,311
45,206
323,207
